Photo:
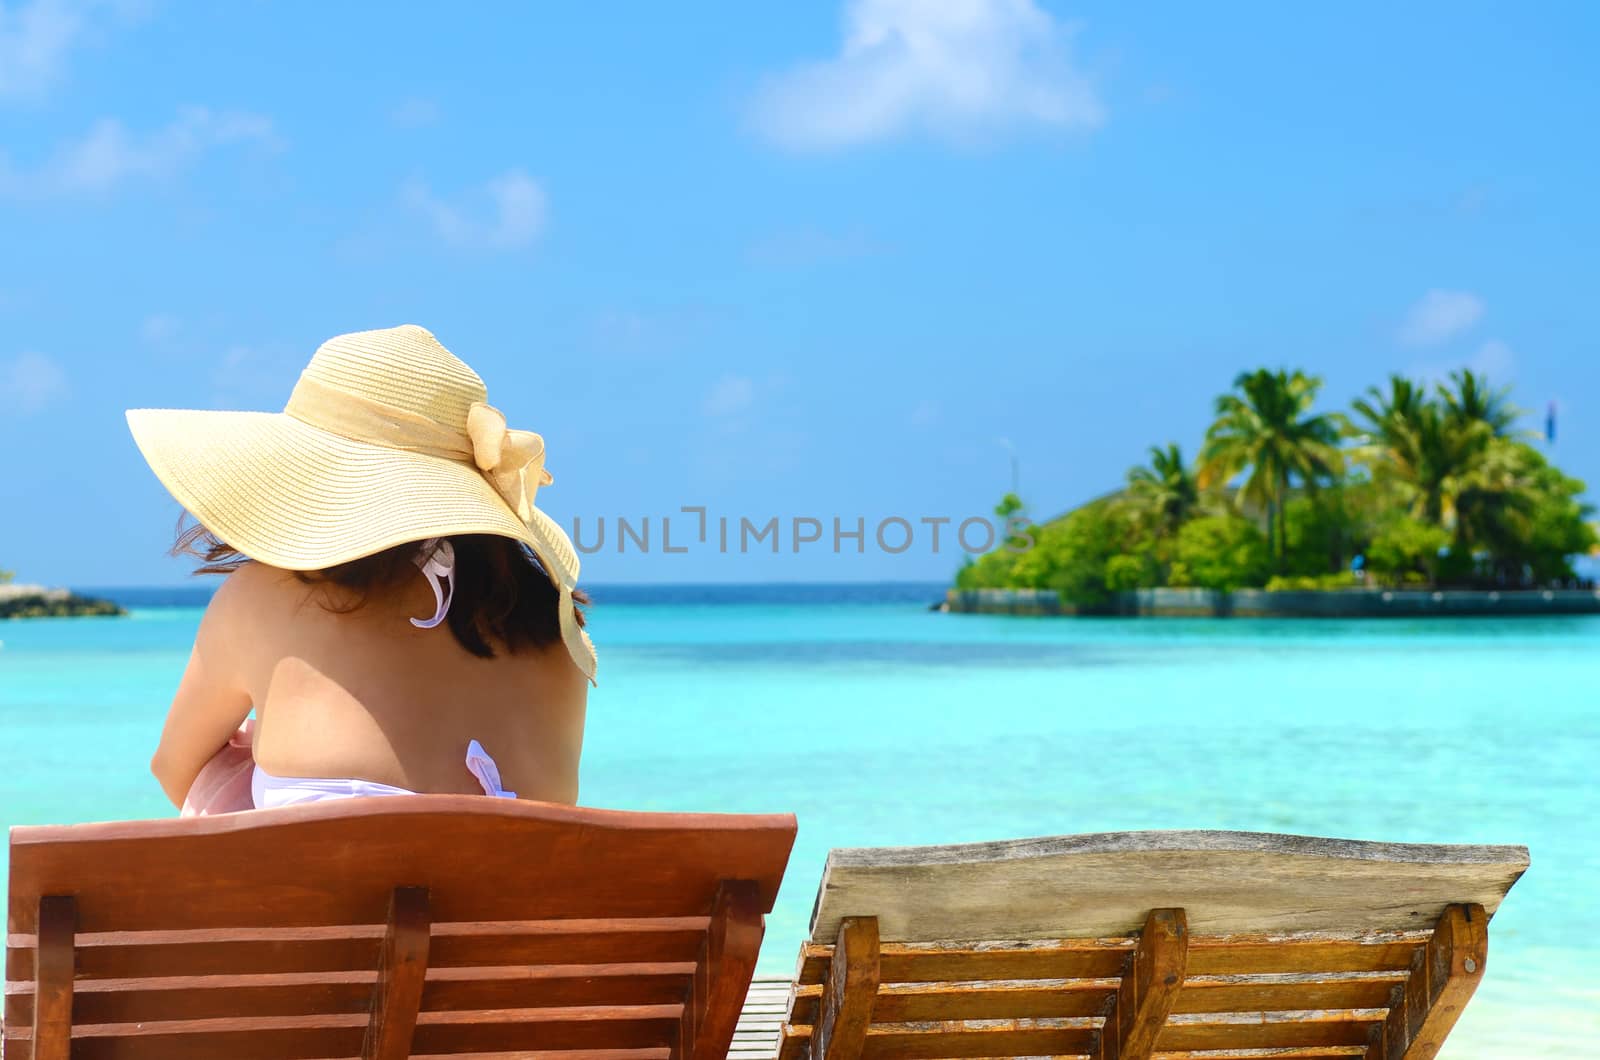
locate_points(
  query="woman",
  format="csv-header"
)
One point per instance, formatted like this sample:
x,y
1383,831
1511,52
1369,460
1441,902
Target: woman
x,y
398,614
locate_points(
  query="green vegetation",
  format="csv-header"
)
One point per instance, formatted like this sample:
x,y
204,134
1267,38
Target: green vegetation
x,y
1415,486
54,605
32,601
1268,431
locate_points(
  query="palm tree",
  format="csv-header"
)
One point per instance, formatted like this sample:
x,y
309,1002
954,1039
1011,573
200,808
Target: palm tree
x,y
1472,401
1389,414
1429,449
1268,427
1166,492
1444,455
1496,496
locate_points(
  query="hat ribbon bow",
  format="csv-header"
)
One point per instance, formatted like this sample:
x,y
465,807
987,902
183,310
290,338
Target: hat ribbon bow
x,y
512,461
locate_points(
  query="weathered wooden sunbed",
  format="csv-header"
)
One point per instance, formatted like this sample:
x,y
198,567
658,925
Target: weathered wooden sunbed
x,y
429,925
1124,946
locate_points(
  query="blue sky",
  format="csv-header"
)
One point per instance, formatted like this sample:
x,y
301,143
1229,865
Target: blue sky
x,y
777,259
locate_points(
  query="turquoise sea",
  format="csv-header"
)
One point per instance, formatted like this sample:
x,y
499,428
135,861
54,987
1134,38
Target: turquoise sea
x,y
878,722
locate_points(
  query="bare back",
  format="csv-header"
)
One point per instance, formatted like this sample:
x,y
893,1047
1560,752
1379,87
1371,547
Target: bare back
x,y
364,694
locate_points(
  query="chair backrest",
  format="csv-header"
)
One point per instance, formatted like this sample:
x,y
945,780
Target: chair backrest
x,y
1127,945
418,925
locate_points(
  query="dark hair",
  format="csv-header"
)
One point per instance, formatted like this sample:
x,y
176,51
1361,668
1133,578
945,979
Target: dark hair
x,y
502,595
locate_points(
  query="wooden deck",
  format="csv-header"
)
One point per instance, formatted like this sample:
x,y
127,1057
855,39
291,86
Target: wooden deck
x,y
761,1019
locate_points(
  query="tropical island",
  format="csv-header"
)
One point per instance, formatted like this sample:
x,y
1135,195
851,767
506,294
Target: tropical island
x,y
1413,488
38,601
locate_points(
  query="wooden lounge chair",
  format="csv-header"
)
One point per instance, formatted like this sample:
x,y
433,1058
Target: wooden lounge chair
x,y
430,925
1132,945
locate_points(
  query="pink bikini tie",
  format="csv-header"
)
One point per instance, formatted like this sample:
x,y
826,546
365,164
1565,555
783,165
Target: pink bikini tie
x,y
437,561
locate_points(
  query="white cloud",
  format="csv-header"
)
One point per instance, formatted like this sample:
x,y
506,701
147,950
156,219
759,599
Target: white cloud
x,y
414,113
1495,360
926,413
648,330
36,39
1438,316
252,377
30,381
159,329
730,396
955,69
516,207
109,155
813,246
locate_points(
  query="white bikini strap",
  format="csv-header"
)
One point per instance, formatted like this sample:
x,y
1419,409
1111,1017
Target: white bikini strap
x,y
437,561
480,765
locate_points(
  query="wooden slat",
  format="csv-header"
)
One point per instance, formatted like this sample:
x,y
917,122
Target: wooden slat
x,y
959,1038
765,1047
1092,886
621,1027
397,995
1316,1052
989,1038
321,993
1149,988
1237,994
1256,1031
215,996
252,869
248,951
590,941
142,954
1309,1034
733,941
913,1002
238,1038
921,1002
1442,980
461,989
847,998
52,977
1261,955
944,963
309,1037
1252,954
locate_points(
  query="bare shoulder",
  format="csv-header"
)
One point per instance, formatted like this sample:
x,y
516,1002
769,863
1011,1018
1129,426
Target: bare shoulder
x,y
251,593
553,668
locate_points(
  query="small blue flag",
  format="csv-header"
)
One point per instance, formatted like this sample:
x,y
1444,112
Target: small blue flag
x,y
1550,424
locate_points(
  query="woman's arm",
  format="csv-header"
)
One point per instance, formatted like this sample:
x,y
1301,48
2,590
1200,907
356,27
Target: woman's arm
x,y
211,703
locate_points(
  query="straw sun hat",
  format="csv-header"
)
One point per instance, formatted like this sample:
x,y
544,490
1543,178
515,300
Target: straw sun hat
x,y
387,438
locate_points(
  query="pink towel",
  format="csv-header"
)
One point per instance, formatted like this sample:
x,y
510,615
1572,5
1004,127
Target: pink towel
x,y
223,785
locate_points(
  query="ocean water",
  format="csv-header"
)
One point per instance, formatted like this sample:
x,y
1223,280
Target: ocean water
x,y
880,723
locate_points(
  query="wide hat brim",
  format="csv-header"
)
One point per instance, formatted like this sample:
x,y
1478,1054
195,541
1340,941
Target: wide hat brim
x,y
299,498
